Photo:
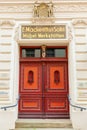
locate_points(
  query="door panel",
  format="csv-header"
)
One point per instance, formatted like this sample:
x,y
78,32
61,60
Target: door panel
x,y
30,78
31,104
57,80
56,89
56,77
43,90
30,89
56,104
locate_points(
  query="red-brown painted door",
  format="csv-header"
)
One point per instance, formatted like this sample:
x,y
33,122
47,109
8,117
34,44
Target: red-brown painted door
x,y
56,90
30,104
43,90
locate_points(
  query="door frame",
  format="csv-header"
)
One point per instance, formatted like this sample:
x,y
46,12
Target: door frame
x,y
22,60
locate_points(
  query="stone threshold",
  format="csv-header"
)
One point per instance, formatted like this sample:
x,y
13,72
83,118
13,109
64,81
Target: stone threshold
x,y
43,123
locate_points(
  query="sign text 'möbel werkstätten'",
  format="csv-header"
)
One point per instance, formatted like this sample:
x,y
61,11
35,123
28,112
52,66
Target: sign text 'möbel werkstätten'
x,y
43,32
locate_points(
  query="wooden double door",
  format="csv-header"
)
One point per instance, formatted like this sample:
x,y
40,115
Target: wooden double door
x,y
43,89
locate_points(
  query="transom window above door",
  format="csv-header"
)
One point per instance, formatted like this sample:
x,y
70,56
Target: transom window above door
x,y
31,52
43,51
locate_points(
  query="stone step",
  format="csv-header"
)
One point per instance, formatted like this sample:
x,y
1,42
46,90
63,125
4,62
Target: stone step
x,y
43,123
44,129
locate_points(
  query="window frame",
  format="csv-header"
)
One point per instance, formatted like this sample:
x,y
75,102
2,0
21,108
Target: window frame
x,y
47,47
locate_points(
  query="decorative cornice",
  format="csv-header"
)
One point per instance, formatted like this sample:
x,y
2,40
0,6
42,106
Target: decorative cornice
x,y
46,21
79,22
7,22
72,7
15,8
58,7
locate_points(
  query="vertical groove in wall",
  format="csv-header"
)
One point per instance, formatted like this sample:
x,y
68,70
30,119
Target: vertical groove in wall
x,y
81,63
5,62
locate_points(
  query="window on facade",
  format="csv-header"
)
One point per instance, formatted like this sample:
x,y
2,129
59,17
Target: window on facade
x,y
50,52
56,52
60,53
28,52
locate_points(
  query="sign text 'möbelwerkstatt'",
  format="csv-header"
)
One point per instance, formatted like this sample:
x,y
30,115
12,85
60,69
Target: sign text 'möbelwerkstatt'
x,y
43,32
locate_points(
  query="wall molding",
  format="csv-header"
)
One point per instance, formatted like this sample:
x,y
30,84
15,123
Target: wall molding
x,y
70,35
71,7
16,36
7,22
79,22
46,21
58,7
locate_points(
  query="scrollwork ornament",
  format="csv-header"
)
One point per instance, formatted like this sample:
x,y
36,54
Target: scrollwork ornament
x,y
40,21
16,36
7,22
61,7
79,21
43,10
70,35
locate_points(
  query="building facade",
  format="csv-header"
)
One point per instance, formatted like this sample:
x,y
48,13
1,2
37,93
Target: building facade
x,y
43,60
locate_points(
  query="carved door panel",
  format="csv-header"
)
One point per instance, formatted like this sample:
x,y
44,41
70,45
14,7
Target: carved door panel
x,y
30,90
43,90
56,90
